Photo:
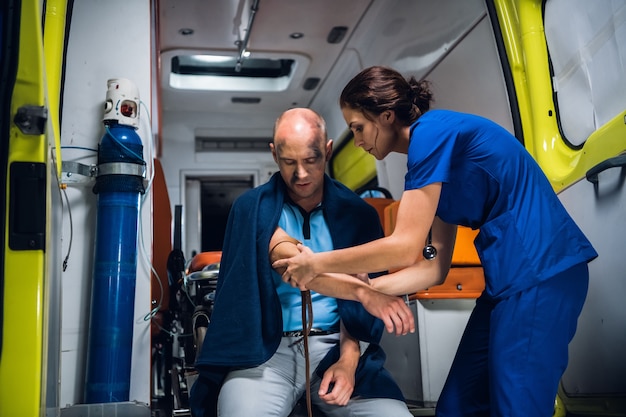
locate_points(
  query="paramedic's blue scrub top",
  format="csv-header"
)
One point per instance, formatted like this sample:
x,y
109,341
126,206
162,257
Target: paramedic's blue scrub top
x,y
489,181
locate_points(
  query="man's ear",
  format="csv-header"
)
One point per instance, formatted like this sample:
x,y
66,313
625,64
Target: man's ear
x,y
329,149
273,149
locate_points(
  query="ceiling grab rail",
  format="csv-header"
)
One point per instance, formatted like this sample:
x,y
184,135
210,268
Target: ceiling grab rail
x,y
243,45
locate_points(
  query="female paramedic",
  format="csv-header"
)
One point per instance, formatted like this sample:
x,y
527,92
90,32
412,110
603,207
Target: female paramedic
x,y
466,170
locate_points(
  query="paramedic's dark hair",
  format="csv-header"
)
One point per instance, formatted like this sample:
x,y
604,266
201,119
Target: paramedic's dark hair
x,y
377,89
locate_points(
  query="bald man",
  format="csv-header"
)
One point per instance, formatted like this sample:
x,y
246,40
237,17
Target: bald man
x,y
252,360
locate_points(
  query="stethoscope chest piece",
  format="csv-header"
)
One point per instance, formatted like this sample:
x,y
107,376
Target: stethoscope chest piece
x,y
429,252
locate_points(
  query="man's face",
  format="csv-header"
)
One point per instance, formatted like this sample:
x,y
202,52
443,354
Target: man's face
x,y
301,156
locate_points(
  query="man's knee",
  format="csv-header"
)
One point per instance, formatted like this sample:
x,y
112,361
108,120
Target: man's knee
x,y
368,407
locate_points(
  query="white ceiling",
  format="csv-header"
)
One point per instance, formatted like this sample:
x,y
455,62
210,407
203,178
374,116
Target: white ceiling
x,y
219,24
379,32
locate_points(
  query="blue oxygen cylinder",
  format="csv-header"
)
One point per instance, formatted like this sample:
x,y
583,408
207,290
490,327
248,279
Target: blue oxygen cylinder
x,y
119,183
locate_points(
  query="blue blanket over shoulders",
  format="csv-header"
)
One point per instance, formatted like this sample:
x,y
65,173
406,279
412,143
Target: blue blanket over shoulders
x,y
246,322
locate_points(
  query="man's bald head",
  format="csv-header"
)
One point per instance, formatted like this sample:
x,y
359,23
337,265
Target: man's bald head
x,y
297,121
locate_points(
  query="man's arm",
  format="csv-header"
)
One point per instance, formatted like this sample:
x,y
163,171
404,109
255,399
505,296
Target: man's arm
x,y
392,310
338,381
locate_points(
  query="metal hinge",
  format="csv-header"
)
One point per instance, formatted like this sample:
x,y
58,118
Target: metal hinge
x,y
31,120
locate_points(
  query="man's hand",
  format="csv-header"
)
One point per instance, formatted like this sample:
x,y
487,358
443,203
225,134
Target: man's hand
x,y
392,310
337,385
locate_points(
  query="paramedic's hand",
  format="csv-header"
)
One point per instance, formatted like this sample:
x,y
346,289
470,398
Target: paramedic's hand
x,y
337,385
393,311
299,270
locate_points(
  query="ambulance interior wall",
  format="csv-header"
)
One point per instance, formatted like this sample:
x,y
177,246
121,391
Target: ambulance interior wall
x,y
107,39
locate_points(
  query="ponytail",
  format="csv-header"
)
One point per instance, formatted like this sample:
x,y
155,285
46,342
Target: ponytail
x,y
422,95
378,89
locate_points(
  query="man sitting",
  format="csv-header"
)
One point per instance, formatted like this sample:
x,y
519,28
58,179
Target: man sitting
x,y
252,361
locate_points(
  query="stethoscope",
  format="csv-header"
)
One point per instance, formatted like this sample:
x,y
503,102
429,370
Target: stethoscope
x,y
429,252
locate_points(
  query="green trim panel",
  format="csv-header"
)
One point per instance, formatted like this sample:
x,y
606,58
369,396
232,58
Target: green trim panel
x,y
352,166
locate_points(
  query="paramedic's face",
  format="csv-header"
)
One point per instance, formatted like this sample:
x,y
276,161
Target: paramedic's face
x,y
370,135
301,154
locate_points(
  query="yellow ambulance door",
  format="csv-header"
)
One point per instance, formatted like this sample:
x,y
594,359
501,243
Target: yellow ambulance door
x,y
29,167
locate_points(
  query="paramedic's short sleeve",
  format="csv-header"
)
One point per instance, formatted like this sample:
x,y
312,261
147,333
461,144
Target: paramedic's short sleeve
x,y
431,153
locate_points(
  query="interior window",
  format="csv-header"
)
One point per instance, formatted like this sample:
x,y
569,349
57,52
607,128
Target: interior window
x,y
586,43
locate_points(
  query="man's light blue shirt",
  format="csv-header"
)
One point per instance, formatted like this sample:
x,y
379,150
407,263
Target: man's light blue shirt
x,y
310,229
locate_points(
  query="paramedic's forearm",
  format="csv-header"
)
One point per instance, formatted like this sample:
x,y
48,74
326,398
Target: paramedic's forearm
x,y
392,310
341,286
409,280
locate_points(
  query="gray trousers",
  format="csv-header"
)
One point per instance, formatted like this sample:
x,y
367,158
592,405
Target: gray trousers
x,y
273,388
